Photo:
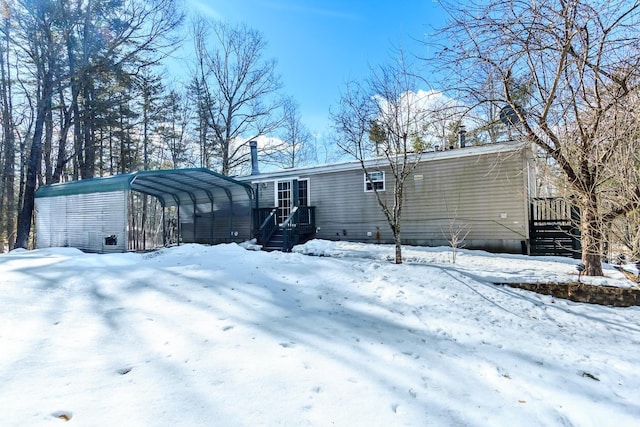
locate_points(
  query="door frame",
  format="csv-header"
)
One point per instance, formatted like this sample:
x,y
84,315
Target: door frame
x,y
293,196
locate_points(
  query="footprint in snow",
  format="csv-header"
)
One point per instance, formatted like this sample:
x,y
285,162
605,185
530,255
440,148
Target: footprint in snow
x,y
63,415
124,371
287,344
227,328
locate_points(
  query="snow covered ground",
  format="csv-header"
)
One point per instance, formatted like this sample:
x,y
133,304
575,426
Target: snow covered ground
x,y
225,336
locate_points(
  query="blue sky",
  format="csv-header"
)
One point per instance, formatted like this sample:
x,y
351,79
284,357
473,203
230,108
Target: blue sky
x,y
320,45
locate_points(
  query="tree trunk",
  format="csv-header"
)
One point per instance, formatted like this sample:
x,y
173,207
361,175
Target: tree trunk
x,y
398,242
591,237
88,168
25,216
65,125
48,146
7,190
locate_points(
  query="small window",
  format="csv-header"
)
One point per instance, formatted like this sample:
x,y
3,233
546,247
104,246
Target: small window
x,y
376,180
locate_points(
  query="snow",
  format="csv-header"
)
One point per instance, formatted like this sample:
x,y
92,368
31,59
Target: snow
x,y
332,334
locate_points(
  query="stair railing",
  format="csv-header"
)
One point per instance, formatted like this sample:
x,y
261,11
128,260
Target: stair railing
x,y
269,226
290,234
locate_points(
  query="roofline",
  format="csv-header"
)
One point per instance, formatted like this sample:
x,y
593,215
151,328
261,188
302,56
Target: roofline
x,y
120,182
232,180
103,184
501,147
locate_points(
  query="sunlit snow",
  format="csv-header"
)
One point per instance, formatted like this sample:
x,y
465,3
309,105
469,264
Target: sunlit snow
x,y
334,334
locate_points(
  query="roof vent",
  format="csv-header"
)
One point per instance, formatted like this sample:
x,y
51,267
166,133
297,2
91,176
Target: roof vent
x,y
462,136
253,145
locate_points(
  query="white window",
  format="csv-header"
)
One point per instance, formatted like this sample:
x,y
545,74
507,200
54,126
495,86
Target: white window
x,y
376,180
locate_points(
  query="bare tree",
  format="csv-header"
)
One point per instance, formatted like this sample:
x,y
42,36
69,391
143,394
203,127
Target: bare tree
x,y
39,26
240,88
296,148
71,45
457,234
623,180
173,131
383,115
577,62
7,148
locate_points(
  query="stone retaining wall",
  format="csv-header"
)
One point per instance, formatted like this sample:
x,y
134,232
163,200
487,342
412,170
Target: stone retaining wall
x,y
582,292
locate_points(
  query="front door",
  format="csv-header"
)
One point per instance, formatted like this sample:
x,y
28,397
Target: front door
x,y
286,195
284,200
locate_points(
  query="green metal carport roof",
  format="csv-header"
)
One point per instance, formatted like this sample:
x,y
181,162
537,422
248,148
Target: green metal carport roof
x,y
172,187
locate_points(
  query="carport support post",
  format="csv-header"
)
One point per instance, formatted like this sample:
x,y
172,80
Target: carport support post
x,y
230,197
178,227
195,219
164,227
212,218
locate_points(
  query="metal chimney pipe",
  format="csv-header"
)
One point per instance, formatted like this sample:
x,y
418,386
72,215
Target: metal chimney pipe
x,y
462,133
253,145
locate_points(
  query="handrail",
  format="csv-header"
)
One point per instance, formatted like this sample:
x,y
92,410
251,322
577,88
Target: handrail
x,y
269,226
289,221
300,222
290,236
266,220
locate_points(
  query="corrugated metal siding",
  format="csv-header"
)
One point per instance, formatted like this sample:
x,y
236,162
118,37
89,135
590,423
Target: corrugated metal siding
x,y
82,221
221,222
50,226
241,220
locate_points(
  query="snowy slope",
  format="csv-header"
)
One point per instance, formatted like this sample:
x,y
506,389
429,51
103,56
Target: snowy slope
x,y
224,336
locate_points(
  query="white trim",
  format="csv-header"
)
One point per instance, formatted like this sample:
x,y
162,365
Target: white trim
x,y
373,181
276,197
275,179
308,189
290,180
381,161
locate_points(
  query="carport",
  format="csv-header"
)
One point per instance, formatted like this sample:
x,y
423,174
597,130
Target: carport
x,y
95,214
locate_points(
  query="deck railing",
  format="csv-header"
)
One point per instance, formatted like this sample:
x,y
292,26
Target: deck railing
x,y
300,223
554,228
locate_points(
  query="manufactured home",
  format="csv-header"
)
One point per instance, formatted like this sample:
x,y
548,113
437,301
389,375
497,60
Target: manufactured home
x,y
484,195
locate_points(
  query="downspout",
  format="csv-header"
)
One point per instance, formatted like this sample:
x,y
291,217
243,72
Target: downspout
x,y
255,217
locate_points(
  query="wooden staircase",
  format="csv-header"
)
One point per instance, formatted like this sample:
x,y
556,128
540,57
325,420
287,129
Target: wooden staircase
x,y
299,227
275,242
554,228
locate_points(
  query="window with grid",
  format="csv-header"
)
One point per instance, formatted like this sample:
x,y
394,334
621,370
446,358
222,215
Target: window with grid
x,y
303,192
284,200
375,180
